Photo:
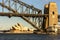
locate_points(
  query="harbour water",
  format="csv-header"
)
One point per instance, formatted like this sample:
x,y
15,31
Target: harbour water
x,y
28,37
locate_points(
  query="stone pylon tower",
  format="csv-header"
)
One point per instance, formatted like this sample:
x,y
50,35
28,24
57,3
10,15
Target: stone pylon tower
x,y
52,19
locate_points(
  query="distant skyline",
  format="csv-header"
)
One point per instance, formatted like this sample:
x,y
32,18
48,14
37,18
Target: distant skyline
x,y
6,23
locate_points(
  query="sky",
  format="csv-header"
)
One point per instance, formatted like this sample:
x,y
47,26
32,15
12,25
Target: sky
x,y
7,23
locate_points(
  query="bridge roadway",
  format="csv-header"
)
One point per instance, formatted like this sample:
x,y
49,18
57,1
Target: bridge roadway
x,y
25,15
22,14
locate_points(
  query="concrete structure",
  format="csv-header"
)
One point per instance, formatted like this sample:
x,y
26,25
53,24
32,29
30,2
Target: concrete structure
x,y
52,19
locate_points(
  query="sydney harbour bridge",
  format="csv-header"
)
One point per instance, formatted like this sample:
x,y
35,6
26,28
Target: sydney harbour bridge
x,y
29,13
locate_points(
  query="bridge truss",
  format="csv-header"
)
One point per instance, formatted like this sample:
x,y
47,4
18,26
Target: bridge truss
x,y
27,12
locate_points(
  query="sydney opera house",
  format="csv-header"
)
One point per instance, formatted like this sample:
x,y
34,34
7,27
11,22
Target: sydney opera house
x,y
19,28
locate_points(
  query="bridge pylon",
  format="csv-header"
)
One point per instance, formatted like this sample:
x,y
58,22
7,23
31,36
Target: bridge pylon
x,y
52,19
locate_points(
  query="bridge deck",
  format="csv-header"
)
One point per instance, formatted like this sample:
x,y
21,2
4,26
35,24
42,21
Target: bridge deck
x,y
22,14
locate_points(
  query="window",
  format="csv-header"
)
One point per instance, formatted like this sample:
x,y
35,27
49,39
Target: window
x,y
53,13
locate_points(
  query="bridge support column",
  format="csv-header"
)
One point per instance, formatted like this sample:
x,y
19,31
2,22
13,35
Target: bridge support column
x,y
52,19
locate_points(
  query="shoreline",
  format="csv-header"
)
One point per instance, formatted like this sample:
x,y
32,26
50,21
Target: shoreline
x,y
38,33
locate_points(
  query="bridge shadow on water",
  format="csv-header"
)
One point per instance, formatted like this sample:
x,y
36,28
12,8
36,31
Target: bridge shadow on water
x,y
28,37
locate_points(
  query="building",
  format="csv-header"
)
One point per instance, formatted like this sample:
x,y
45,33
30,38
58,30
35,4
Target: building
x,y
20,28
